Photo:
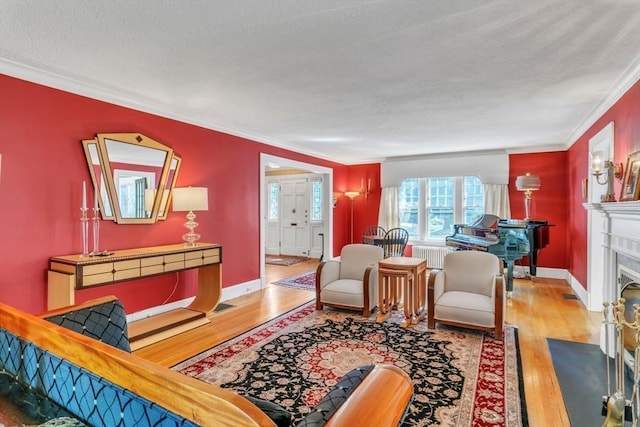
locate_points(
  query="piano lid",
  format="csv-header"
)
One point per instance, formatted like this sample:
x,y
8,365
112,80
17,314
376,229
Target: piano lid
x,y
485,221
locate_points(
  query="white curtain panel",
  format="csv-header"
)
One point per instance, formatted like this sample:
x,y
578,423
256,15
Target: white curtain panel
x,y
389,215
496,200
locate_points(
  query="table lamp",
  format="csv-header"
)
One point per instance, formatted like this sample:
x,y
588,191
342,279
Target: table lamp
x,y
189,199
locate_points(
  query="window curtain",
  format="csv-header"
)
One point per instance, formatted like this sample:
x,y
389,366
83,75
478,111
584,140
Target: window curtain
x,y
389,215
496,200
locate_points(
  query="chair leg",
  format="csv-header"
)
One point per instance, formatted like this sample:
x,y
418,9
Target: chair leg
x,y
318,305
498,332
431,321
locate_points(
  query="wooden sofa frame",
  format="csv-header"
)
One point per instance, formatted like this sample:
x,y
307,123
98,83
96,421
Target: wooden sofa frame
x,y
383,395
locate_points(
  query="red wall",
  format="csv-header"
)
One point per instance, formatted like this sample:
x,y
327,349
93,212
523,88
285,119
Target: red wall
x,y
43,166
625,114
550,203
365,207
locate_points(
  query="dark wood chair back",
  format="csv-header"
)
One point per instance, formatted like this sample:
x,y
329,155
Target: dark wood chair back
x,y
374,230
395,241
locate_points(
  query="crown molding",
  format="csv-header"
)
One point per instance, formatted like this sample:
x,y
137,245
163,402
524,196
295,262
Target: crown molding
x,y
134,101
148,105
629,77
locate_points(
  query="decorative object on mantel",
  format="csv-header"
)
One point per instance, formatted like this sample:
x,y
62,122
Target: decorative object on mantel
x,y
527,183
631,183
611,170
189,199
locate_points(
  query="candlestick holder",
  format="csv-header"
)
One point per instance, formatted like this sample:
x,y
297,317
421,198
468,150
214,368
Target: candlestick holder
x,y
84,224
96,230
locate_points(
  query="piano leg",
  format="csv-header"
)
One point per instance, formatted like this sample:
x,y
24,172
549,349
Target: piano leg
x,y
509,277
533,261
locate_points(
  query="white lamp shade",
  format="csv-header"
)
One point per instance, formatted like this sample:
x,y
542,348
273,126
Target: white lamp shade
x,y
352,194
190,199
528,182
597,161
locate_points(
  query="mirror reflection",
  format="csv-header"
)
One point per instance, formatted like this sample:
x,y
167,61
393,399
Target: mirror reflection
x,y
134,175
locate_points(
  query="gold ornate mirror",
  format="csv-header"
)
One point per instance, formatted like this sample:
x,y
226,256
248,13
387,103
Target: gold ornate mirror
x,y
128,169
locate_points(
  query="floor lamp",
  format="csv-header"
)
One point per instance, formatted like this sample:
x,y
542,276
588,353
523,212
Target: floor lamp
x,y
352,195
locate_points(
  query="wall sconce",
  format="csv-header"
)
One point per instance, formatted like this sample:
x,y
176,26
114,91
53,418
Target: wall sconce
x,y
365,190
352,195
189,199
611,170
527,183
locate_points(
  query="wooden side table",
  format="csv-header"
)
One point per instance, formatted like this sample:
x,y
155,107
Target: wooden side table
x,y
407,276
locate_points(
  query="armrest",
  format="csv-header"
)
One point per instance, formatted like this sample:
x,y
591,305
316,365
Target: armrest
x,y
370,286
435,285
327,272
380,393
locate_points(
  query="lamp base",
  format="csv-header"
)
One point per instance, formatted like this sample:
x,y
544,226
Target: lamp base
x,y
607,198
190,238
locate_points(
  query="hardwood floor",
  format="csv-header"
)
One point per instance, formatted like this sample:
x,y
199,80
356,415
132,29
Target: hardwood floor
x,y
538,309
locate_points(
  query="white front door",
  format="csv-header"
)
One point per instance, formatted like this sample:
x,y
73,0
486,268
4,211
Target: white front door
x,y
295,216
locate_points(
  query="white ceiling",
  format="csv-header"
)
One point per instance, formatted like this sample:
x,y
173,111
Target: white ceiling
x,y
348,80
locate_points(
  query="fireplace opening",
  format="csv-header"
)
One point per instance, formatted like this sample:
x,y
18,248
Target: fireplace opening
x,y
629,282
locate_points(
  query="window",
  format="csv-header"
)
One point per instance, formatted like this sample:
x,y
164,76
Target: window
x,y
429,207
316,200
274,190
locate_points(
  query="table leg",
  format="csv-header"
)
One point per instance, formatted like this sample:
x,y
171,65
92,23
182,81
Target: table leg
x,y
421,295
409,301
384,289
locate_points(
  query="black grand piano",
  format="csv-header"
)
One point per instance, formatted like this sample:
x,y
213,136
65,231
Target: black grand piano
x,y
508,239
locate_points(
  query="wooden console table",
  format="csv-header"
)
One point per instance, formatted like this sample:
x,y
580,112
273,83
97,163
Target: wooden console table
x,y
74,272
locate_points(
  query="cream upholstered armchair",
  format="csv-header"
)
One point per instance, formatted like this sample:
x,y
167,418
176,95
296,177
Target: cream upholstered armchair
x,y
468,291
352,281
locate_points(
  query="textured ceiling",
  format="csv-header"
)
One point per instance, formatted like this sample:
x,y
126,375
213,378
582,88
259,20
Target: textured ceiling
x,y
347,80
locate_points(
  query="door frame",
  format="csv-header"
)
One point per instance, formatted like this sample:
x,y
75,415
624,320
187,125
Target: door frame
x,y
327,173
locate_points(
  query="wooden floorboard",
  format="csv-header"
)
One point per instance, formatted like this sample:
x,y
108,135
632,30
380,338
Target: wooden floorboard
x,y
538,309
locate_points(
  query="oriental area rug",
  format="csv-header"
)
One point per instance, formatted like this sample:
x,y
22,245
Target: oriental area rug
x,y
461,378
303,281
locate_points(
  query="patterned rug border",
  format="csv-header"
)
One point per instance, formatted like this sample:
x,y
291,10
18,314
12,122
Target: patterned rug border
x,y
291,282
472,405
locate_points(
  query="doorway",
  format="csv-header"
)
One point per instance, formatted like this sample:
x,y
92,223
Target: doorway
x,y
294,227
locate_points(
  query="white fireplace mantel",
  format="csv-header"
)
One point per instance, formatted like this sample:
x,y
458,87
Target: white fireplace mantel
x,y
619,235
622,226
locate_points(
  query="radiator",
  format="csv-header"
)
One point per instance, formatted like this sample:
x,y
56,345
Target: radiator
x,y
433,254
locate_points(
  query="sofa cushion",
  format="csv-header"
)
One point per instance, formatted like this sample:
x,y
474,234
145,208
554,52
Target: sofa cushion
x,y
106,322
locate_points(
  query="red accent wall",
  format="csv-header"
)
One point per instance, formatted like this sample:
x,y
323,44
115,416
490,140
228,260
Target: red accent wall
x,y
625,114
550,203
365,207
43,166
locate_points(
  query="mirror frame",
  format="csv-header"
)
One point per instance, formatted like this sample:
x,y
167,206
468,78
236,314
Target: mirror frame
x,y
163,210
111,198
